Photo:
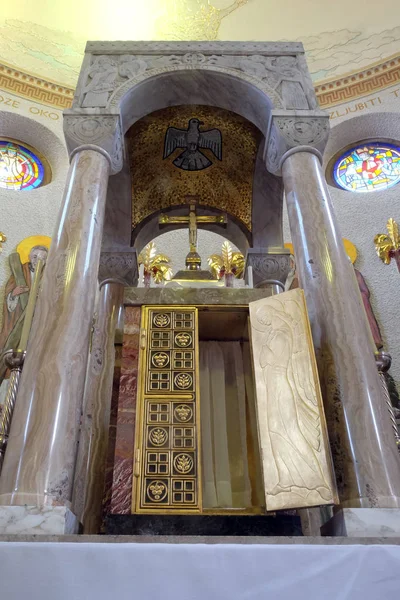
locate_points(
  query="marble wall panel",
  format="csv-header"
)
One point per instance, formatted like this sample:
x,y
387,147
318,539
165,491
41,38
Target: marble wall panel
x,y
121,493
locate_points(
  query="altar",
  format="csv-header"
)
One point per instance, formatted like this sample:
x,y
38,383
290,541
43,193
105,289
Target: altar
x,y
196,407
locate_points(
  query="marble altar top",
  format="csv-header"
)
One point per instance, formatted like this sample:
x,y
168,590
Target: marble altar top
x,y
197,296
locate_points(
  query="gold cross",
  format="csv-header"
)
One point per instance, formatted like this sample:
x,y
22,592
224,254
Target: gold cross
x,y
193,219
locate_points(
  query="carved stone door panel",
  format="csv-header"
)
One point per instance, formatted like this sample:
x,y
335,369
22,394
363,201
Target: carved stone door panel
x,y
168,474
294,445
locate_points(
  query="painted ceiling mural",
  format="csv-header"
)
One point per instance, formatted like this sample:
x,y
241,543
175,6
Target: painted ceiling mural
x,y
49,43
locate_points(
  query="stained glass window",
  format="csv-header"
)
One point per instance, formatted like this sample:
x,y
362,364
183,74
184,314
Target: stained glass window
x,y
20,167
368,167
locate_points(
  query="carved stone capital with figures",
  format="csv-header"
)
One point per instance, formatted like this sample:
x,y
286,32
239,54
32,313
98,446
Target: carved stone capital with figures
x,y
103,131
270,265
119,267
291,132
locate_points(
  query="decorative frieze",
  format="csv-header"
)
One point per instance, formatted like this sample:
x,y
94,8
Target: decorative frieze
x,y
278,69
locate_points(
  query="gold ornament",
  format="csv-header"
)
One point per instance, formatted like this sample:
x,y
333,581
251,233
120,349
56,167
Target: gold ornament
x,y
158,436
183,413
2,240
161,359
183,463
155,265
183,381
157,490
227,263
161,320
183,339
388,246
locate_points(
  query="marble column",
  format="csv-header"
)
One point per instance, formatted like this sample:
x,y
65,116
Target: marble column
x,y
117,269
40,460
364,451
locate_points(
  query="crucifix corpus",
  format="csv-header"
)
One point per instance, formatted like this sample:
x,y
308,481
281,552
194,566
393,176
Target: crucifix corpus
x,y
193,261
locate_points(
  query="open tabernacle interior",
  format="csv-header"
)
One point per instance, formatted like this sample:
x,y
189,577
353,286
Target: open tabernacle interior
x,y
231,467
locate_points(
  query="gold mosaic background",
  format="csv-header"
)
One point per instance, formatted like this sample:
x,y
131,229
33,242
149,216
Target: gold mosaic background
x,y
157,184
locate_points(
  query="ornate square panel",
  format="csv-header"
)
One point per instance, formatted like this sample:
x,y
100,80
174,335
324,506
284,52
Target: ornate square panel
x,y
160,339
158,412
183,359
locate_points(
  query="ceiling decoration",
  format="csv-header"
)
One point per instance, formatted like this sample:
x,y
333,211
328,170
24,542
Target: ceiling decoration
x,y
158,183
41,58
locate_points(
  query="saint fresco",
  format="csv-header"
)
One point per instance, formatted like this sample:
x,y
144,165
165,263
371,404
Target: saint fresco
x,y
22,265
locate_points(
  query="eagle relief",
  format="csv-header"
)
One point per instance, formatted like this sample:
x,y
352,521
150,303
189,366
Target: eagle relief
x,y
191,139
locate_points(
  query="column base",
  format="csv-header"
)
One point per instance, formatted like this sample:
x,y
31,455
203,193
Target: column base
x,y
364,522
38,520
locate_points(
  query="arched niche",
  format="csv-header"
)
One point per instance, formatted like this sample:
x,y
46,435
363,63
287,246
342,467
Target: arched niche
x,y
149,229
212,87
235,92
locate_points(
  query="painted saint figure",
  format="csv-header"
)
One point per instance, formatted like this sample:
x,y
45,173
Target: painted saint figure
x,y
22,263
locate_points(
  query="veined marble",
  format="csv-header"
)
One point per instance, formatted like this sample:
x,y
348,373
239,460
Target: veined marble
x,y
93,442
364,452
121,492
163,295
45,520
364,523
40,460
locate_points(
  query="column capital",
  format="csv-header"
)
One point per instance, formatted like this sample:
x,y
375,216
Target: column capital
x,y
119,266
269,264
295,131
103,131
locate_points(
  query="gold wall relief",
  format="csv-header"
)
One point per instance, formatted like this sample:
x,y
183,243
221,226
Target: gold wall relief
x,y
168,479
294,443
226,184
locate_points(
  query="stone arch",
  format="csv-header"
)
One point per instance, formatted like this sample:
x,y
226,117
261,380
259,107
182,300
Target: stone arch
x,y
224,88
209,85
235,231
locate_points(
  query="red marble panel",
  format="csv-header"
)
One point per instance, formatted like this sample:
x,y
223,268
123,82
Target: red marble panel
x,y
121,492
112,432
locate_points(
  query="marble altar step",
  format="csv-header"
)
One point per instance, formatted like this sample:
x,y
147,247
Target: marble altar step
x,y
182,539
206,525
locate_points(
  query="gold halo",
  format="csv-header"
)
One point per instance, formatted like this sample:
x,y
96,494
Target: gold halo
x,y
26,245
351,250
289,246
349,247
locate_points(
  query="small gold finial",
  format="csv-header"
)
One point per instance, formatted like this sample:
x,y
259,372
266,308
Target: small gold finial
x,y
387,246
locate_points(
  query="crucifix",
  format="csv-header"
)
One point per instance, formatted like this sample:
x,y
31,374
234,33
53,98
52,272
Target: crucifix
x,y
193,260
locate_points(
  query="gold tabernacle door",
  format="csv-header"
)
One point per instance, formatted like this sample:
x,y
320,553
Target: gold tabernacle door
x,y
230,416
